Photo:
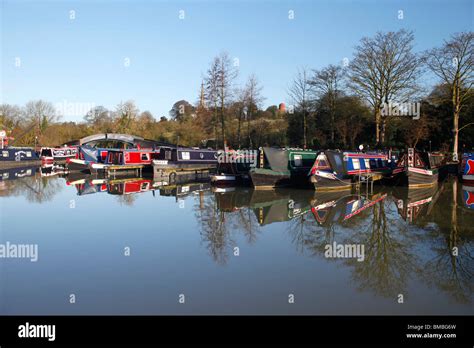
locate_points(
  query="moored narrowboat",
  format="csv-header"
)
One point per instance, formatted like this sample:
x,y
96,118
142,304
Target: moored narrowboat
x,y
86,155
336,170
467,169
174,160
329,172
17,154
422,167
282,167
49,155
125,159
233,167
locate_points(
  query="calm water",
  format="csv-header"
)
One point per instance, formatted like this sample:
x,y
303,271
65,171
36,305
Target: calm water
x,y
233,251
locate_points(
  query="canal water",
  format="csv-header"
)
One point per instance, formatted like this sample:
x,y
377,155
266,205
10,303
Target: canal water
x,y
91,246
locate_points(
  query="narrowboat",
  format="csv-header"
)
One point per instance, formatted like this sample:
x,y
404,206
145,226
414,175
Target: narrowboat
x,y
422,167
282,167
329,172
337,170
85,155
17,154
173,161
99,160
233,167
467,169
10,153
123,159
52,154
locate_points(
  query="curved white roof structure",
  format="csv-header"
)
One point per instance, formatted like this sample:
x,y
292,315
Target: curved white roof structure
x,y
126,138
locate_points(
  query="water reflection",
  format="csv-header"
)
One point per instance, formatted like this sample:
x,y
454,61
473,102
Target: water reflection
x,y
411,236
26,182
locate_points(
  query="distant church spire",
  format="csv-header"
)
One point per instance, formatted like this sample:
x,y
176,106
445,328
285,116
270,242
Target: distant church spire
x,y
201,99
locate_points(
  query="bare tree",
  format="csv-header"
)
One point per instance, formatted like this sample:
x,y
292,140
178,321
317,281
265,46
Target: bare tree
x,y
240,109
453,63
326,83
227,73
10,116
254,100
299,93
98,115
40,113
384,69
211,82
126,113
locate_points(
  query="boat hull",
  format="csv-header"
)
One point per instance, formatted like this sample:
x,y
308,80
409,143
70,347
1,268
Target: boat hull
x,y
421,177
468,179
77,165
327,184
268,179
230,179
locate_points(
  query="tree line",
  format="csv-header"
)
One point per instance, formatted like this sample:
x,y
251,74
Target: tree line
x,y
337,106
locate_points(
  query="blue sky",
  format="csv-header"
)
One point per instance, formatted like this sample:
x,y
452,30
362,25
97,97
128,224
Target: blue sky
x,y
82,60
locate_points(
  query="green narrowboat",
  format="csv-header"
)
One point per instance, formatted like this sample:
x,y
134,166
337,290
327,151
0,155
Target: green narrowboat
x,y
282,167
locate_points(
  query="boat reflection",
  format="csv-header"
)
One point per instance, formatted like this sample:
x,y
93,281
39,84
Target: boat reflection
x,y
468,196
17,173
425,234
269,206
412,204
338,206
89,184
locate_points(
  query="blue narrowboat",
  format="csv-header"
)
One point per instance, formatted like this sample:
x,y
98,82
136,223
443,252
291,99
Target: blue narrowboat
x,y
467,169
339,170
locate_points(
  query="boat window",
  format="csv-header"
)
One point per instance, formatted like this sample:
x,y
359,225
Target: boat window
x,y
338,160
322,164
356,163
418,162
46,153
167,154
145,157
367,163
298,160
185,155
